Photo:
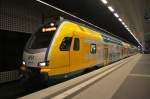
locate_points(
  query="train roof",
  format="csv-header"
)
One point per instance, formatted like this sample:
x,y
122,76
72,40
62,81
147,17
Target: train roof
x,y
106,36
100,30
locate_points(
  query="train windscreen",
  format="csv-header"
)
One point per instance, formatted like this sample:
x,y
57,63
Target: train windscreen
x,y
41,39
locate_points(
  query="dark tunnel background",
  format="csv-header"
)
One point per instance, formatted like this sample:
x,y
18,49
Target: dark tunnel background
x,y
12,45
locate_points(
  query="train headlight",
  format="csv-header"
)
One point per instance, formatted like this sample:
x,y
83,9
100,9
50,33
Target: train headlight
x,y
43,63
23,62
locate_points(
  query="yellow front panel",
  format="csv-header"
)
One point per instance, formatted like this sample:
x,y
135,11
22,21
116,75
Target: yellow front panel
x,y
59,60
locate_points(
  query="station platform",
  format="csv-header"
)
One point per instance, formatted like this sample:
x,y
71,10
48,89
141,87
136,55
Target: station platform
x,y
126,79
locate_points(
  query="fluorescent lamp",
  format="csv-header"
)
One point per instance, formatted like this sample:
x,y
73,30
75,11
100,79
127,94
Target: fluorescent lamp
x,y
125,26
111,9
130,31
120,19
104,1
123,23
116,15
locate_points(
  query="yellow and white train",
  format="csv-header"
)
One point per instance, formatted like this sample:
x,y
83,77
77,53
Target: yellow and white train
x,y
64,47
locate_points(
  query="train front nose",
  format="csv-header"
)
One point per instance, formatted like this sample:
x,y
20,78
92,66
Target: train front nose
x,y
31,66
34,59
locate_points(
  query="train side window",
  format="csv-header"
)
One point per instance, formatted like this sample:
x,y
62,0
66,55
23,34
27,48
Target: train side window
x,y
76,46
66,43
93,48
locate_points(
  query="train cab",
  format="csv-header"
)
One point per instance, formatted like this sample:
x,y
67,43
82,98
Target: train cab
x,y
62,49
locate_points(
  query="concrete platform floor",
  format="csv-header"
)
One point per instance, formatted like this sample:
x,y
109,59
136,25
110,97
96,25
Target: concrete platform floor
x,y
130,81
137,83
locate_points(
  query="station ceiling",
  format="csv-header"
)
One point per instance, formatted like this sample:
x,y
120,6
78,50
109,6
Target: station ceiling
x,y
132,12
136,14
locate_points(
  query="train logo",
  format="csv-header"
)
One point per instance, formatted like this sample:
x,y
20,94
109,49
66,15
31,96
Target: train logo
x,y
31,58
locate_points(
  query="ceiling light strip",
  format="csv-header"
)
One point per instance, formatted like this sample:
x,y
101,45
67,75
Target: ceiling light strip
x,y
111,9
116,15
104,1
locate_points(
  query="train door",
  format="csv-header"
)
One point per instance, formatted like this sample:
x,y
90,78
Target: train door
x,y
122,52
75,60
75,54
106,58
125,52
62,55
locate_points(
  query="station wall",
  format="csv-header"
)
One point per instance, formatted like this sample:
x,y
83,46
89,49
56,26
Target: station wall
x,y
19,15
12,46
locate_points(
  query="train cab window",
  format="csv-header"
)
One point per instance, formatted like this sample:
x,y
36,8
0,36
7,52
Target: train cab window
x,y
66,43
41,40
93,48
76,46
